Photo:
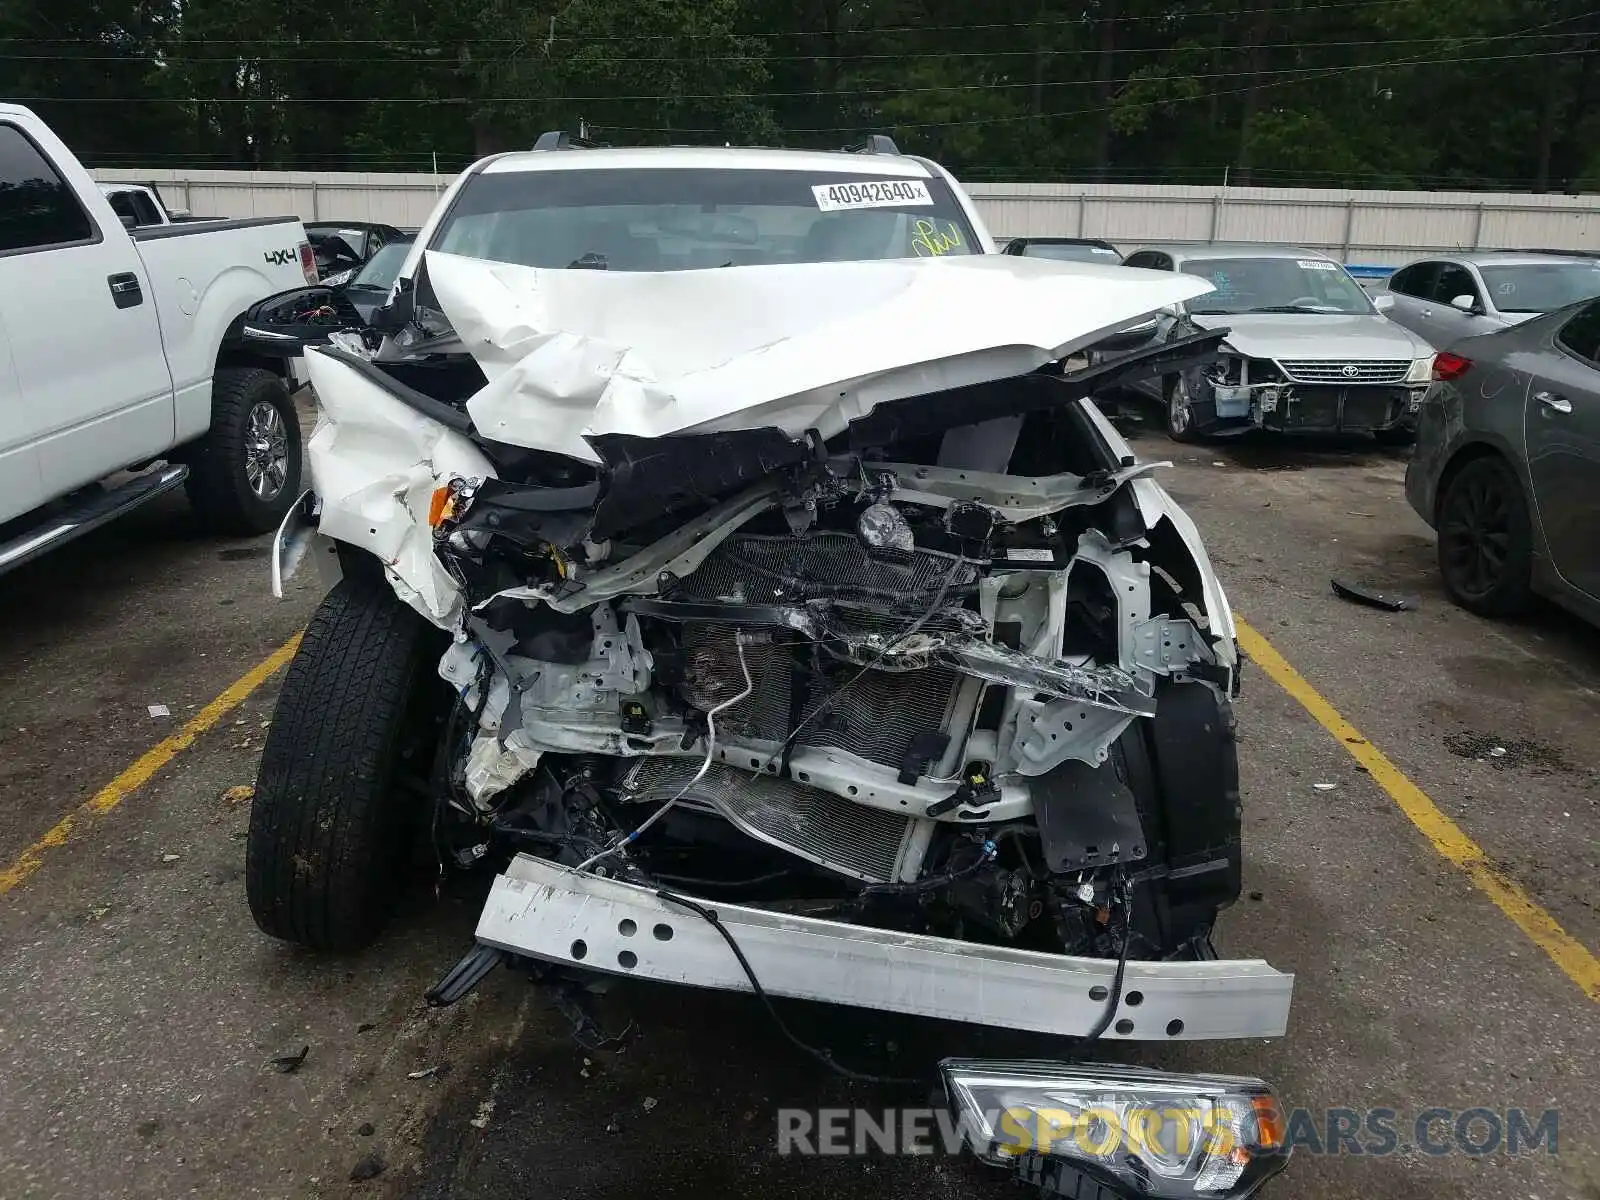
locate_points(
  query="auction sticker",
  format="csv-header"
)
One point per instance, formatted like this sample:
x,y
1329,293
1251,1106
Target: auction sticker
x,y
1314,264
871,193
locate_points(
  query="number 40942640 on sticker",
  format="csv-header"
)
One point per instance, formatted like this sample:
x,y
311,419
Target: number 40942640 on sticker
x,y
871,193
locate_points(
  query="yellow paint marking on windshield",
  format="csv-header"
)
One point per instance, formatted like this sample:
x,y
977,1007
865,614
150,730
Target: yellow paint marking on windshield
x,y
929,241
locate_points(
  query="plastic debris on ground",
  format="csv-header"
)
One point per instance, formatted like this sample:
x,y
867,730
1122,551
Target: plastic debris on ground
x,y
1373,597
288,1064
1324,787
159,710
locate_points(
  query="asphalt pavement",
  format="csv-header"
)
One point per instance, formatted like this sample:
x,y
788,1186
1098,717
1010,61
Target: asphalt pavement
x,y
141,1011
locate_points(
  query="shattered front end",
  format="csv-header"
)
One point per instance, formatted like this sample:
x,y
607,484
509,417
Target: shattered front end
x,y
855,660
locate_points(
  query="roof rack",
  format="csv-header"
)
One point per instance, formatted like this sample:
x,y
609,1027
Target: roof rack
x,y
876,143
560,139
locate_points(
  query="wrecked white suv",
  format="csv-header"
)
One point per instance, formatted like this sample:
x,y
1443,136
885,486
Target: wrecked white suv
x,y
725,555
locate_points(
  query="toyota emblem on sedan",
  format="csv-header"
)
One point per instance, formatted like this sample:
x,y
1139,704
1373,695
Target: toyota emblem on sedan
x,y
1351,370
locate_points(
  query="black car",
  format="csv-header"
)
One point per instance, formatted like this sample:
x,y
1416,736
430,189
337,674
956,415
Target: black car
x,y
1065,249
368,286
342,246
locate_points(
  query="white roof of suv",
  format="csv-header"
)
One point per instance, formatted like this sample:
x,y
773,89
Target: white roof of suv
x,y
739,158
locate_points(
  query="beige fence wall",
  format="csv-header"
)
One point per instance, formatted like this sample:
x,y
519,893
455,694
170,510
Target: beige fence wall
x,y
1374,227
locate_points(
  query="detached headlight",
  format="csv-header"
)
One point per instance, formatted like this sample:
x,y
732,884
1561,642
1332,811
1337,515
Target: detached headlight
x,y
1148,1132
1421,370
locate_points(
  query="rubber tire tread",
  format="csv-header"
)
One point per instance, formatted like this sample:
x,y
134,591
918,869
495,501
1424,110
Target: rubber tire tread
x,y
1515,592
326,841
218,490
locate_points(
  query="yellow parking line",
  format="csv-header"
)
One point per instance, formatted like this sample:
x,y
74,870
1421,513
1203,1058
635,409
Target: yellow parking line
x,y
1571,955
1442,833
145,767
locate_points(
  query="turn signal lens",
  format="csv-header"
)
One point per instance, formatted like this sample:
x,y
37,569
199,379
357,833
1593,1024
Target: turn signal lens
x,y
438,505
1447,366
1269,1122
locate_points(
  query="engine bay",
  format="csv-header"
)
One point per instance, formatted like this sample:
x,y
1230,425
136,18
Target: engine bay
x,y
911,696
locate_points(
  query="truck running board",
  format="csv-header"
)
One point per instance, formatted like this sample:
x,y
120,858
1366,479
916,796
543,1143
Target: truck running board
x,y
74,519
579,920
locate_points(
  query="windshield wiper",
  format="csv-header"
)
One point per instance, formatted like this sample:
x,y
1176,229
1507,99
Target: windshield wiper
x,y
1323,309
590,261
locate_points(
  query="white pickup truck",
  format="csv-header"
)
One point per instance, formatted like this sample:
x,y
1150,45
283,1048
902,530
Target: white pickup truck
x,y
122,370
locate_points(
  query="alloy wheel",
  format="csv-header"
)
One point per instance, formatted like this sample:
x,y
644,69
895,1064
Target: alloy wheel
x,y
266,451
1178,415
1475,534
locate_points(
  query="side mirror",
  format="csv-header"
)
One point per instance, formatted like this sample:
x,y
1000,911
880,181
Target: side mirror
x,y
400,310
1467,304
282,326
1383,303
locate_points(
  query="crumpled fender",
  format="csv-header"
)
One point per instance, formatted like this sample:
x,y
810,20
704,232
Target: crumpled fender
x,y
375,464
1156,506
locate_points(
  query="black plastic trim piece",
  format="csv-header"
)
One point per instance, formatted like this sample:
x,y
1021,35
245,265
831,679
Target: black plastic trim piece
x,y
1087,817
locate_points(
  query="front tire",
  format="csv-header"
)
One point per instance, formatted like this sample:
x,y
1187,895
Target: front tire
x,y
245,473
1187,419
1486,539
330,821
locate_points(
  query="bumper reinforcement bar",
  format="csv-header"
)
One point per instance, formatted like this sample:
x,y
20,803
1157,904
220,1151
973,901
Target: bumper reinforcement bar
x,y
552,913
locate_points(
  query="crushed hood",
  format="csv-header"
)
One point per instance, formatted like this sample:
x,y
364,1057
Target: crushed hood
x,y
1341,336
576,353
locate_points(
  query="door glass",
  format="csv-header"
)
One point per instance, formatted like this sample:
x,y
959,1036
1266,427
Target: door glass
x,y
145,209
1581,333
1454,281
122,204
1415,280
37,208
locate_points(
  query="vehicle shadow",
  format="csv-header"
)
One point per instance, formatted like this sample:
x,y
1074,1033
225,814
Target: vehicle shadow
x,y
87,580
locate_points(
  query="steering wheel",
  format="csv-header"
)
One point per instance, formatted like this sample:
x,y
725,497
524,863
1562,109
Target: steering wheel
x,y
1310,300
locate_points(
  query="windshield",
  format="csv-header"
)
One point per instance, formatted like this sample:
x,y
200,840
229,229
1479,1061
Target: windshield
x,y
379,272
1283,285
1541,287
1071,252
683,219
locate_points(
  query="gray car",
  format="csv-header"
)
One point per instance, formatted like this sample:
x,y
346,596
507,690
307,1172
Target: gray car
x,y
1456,296
1507,465
1306,350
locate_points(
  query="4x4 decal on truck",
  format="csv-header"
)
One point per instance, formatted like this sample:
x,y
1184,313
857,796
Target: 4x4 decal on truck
x,y
278,258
